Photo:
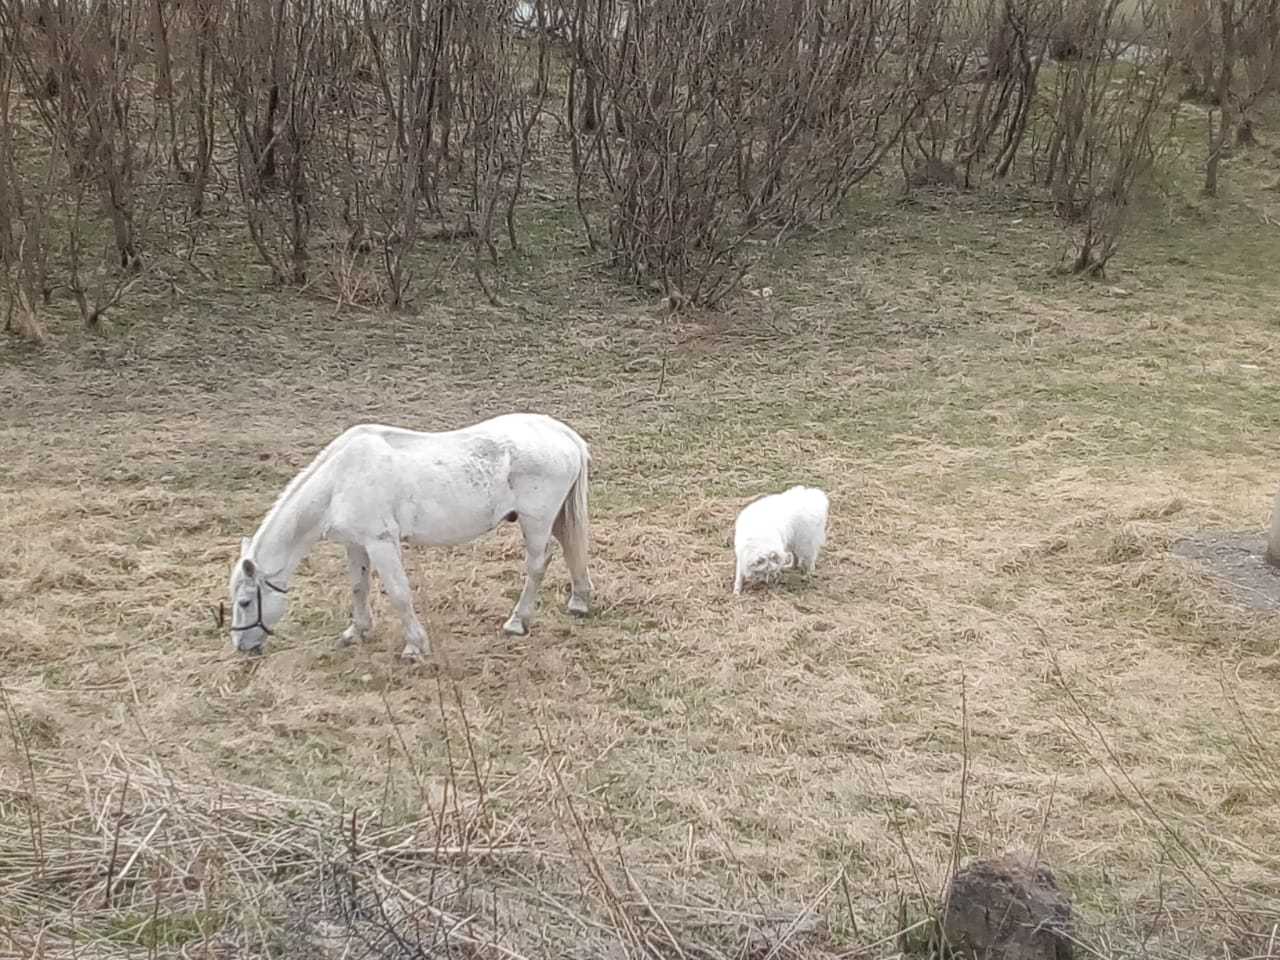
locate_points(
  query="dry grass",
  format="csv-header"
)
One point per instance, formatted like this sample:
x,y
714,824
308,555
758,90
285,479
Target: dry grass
x,y
1008,455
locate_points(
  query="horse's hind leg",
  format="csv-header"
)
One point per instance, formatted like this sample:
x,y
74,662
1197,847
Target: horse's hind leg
x,y
361,616
575,556
537,536
385,555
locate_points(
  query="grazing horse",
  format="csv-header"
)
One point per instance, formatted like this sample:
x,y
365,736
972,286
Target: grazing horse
x,y
376,486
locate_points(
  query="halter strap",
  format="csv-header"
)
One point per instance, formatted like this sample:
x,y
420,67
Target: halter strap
x,y
258,623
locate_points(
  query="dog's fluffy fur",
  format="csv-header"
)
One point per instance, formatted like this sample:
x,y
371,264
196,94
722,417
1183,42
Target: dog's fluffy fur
x,y
778,532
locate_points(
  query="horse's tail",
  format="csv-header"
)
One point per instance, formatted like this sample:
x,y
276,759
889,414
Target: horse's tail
x,y
574,522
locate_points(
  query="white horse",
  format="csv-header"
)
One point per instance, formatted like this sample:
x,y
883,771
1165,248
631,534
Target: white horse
x,y
375,486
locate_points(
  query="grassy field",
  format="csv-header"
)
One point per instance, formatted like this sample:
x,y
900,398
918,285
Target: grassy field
x,y
998,650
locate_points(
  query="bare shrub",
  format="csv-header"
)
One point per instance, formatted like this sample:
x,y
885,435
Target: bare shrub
x,y
1230,52
1064,85
437,119
409,47
698,135
83,61
1105,128
992,112
1191,44
272,57
1211,40
1223,78
504,101
96,52
1260,52
735,122
936,69
24,202
194,132
347,270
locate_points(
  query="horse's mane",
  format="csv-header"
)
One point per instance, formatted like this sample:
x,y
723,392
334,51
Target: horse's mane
x,y
292,486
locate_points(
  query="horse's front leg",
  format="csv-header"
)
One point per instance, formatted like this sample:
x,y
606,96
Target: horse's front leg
x,y
535,553
385,555
361,615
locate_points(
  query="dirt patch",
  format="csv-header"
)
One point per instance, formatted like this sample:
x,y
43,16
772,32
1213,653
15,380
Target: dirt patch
x,y
1236,556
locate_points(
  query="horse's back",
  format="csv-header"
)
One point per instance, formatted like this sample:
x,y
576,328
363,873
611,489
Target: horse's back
x,y
529,437
537,443
450,486
527,426
519,429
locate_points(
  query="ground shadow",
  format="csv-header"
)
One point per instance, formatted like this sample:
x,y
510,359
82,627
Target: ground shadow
x,y
1236,557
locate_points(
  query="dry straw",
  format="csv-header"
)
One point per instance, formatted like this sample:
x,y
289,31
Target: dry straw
x,y
115,856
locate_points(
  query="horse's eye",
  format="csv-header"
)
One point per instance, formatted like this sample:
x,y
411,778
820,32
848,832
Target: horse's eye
x,y
244,604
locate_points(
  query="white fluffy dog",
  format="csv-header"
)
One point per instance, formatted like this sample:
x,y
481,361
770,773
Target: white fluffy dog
x,y
778,532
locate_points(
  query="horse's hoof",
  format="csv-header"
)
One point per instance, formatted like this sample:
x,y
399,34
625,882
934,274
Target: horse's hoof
x,y
515,627
579,607
412,653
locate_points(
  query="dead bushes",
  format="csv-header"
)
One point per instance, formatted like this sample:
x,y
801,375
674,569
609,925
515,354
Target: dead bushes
x,y
731,123
1104,137
695,137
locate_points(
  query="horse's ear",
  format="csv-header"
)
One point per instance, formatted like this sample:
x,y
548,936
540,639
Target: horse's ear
x,y
244,546
247,565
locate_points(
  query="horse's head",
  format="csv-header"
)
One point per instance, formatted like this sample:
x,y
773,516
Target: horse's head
x,y
257,603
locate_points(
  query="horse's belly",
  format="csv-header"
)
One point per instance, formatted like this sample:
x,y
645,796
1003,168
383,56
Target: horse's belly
x,y
445,524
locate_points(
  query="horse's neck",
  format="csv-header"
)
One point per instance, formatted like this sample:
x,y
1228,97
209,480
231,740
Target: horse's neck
x,y
291,528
